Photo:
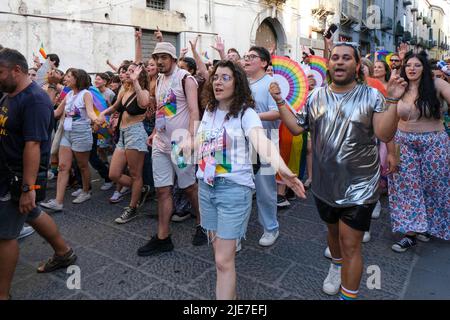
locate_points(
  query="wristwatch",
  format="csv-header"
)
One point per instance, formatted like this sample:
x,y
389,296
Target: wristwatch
x,y
27,188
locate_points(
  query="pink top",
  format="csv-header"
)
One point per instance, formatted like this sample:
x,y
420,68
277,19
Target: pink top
x,y
407,111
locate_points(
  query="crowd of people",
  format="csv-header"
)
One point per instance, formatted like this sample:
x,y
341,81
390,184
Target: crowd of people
x,y
203,139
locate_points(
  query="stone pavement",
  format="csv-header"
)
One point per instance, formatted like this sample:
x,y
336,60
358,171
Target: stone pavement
x,y
294,268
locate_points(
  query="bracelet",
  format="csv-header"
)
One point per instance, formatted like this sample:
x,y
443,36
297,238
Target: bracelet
x,y
281,103
394,100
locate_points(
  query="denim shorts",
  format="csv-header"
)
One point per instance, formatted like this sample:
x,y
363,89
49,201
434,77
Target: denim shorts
x,y
11,220
79,140
225,208
133,137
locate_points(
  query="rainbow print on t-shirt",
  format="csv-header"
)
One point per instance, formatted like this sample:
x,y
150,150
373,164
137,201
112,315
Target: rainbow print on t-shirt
x,y
170,104
219,145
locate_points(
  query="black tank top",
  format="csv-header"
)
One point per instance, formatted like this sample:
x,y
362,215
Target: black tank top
x,y
131,106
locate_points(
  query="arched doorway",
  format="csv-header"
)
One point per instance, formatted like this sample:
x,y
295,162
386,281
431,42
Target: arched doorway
x,y
270,34
266,36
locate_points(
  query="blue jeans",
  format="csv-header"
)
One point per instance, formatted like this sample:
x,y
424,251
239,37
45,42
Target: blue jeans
x,y
225,208
266,201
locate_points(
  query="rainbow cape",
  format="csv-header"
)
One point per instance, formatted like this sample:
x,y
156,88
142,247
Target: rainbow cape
x,y
292,80
100,105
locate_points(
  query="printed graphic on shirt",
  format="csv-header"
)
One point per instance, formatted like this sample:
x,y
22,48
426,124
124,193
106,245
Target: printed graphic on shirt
x,y
214,143
169,104
3,120
75,114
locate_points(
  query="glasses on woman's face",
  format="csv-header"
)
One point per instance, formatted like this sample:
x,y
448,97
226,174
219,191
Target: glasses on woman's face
x,y
224,78
250,57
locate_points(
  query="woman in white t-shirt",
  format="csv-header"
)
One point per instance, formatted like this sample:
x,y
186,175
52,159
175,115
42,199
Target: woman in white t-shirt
x,y
78,110
228,127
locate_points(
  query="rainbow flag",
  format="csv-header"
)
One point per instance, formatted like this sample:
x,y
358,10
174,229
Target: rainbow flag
x,y
100,105
383,55
64,93
293,151
42,51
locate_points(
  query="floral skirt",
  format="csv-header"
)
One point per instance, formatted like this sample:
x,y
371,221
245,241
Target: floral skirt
x,y
419,194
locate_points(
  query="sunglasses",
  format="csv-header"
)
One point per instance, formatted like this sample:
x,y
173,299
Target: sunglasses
x,y
225,78
348,44
395,60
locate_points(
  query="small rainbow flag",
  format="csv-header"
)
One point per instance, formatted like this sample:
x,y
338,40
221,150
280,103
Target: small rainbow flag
x,y
64,93
383,55
319,64
42,51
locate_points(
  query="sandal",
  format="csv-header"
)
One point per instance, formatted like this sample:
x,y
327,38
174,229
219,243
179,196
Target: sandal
x,y
57,262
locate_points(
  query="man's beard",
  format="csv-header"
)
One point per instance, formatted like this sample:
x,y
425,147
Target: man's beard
x,y
8,86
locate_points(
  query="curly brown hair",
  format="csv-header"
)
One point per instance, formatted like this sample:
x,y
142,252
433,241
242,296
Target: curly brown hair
x,y
242,98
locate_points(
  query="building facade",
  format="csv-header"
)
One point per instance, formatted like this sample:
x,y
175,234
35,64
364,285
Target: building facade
x,y
86,33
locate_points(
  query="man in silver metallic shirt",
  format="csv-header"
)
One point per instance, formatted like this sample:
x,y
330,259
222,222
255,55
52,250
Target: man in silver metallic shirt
x,y
344,118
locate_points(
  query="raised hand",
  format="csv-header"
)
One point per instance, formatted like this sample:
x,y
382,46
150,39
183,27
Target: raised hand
x,y
396,85
402,50
158,35
194,43
135,75
138,34
219,45
275,92
183,52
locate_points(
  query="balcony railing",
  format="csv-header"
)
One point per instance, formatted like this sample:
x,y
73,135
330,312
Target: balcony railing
x,y
407,3
386,23
350,11
325,8
407,36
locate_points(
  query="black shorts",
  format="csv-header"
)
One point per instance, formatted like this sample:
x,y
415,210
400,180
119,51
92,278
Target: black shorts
x,y
357,217
11,220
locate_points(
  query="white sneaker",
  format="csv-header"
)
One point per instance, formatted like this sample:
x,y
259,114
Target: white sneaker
x,y
376,211
84,196
6,197
106,186
50,175
76,193
125,190
366,237
332,282
25,232
116,197
268,238
238,245
327,253
52,205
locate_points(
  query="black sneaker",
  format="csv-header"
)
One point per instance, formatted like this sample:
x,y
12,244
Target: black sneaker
x,y
144,195
155,245
282,201
290,195
424,237
404,244
127,215
200,237
181,216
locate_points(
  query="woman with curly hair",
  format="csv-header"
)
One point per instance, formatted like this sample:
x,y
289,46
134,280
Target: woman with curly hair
x,y
225,171
419,193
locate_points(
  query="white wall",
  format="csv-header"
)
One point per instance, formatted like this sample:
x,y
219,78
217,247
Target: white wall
x,y
88,45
